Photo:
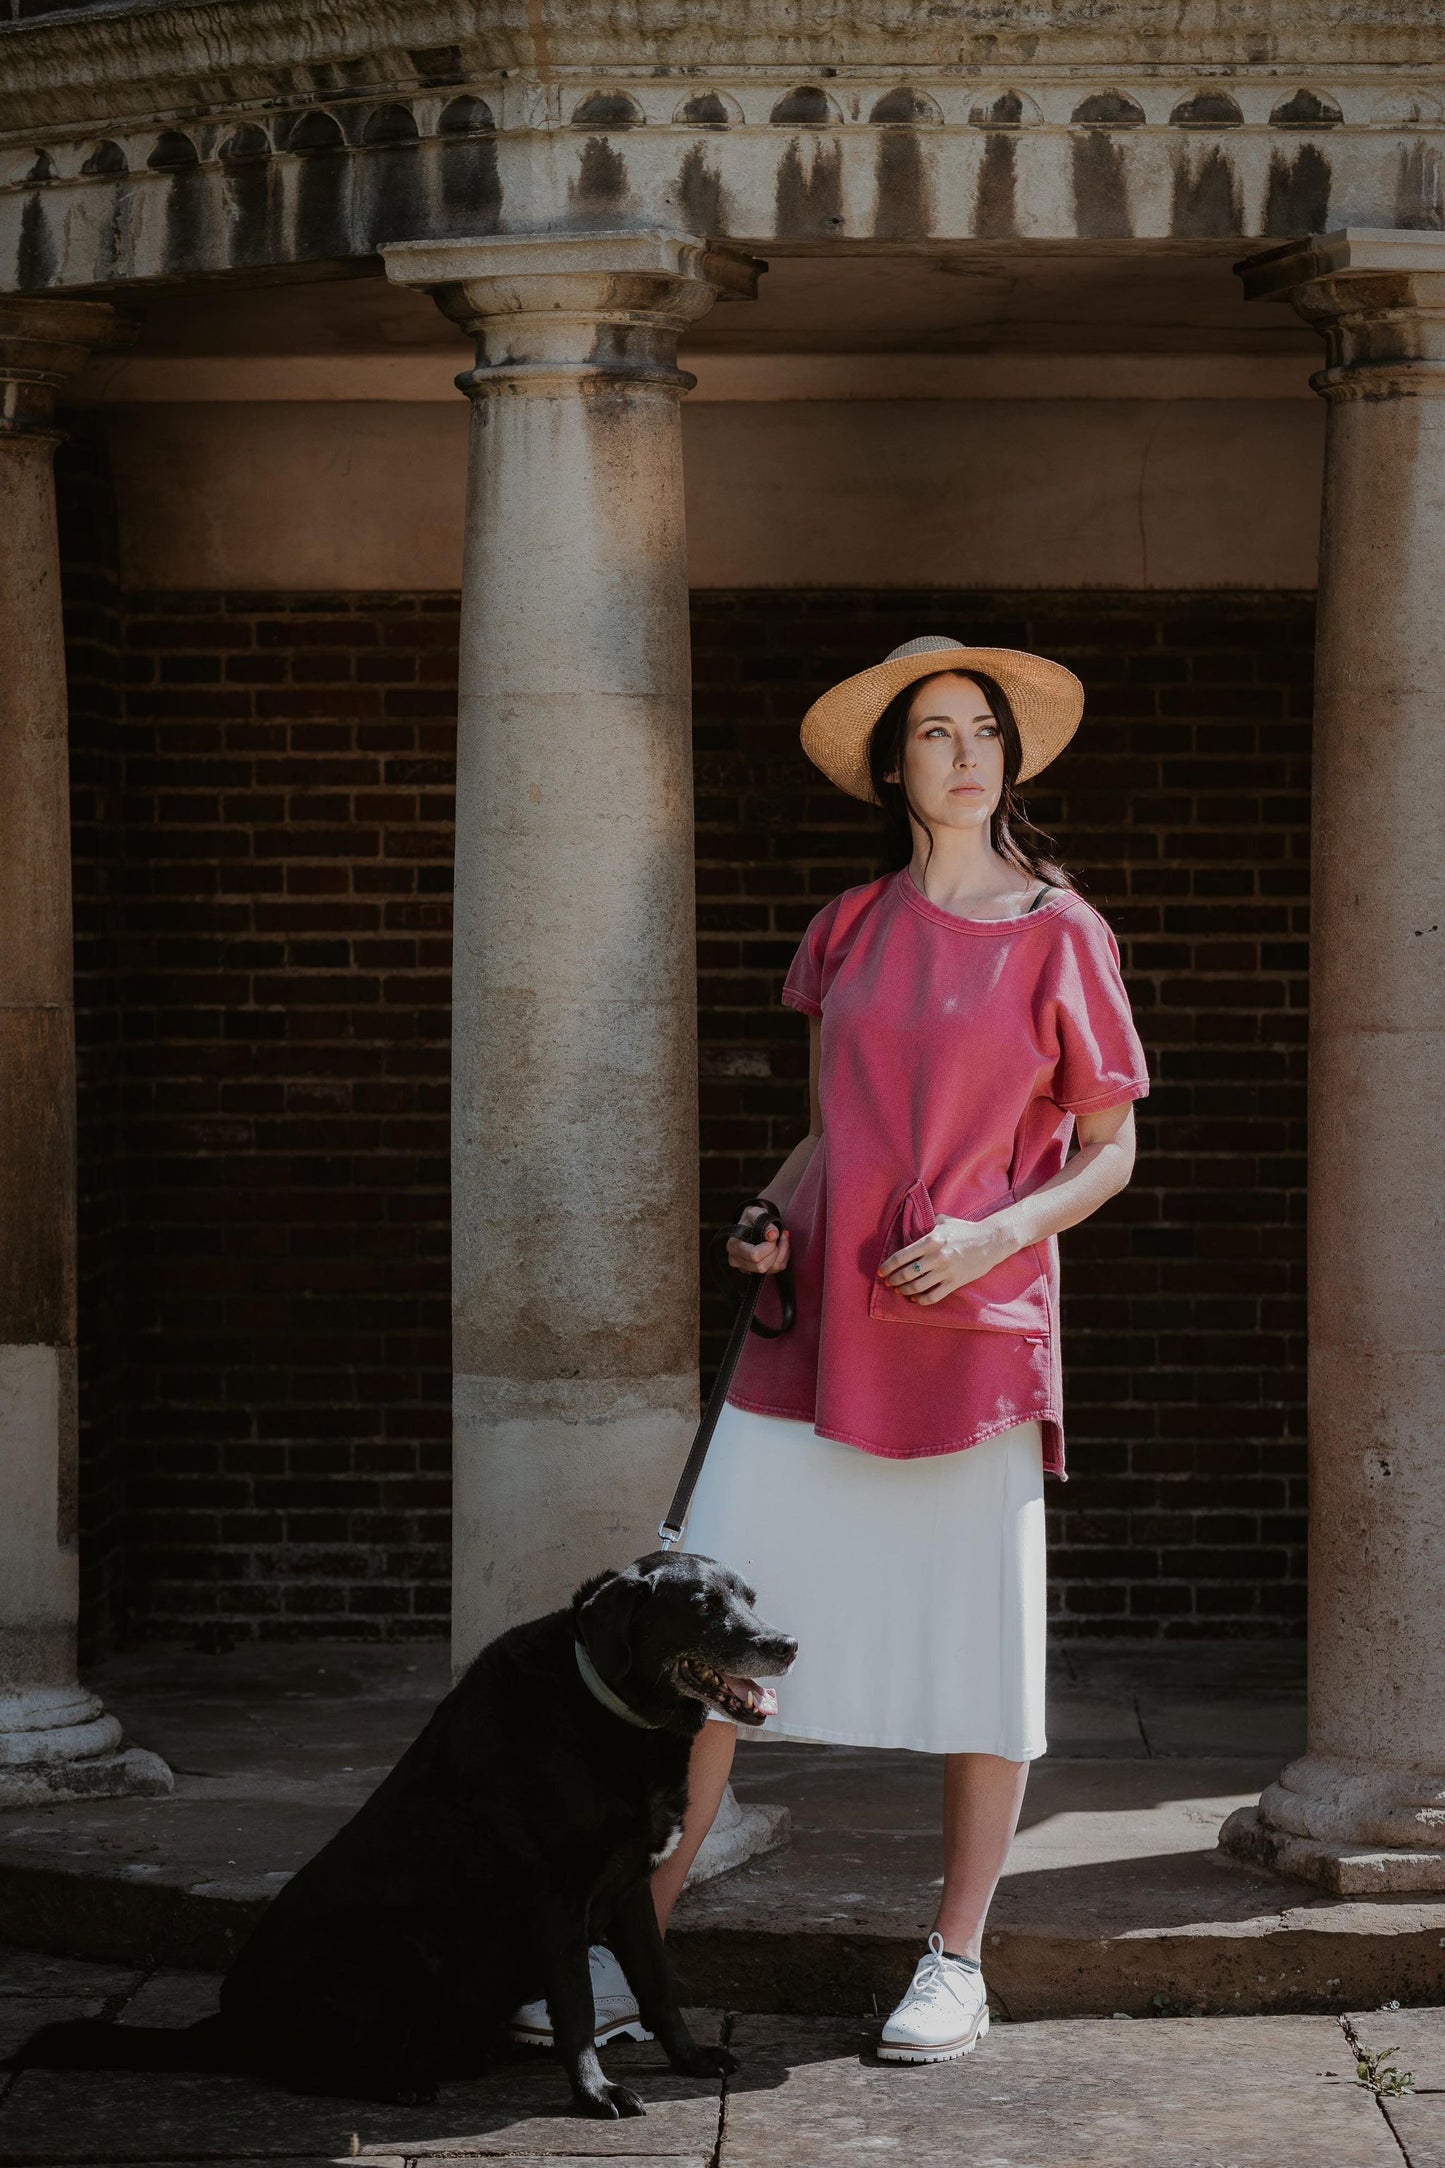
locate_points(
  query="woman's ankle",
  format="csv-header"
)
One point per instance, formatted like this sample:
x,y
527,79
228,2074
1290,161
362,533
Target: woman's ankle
x,y
960,1942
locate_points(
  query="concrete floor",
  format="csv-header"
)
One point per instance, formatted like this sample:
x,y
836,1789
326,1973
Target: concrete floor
x,y
1116,1899
1253,2092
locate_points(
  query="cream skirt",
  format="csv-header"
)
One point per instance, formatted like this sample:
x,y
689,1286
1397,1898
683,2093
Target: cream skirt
x,y
915,1588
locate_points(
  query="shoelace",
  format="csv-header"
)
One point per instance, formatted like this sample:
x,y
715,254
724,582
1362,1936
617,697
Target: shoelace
x,y
932,1973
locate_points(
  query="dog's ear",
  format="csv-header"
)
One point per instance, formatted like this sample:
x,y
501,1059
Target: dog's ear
x,y
605,1620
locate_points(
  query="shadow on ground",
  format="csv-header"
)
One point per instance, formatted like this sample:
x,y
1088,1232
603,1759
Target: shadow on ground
x,y
1267,2092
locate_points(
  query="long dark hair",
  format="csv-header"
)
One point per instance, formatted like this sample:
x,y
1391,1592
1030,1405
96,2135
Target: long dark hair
x,y
1011,832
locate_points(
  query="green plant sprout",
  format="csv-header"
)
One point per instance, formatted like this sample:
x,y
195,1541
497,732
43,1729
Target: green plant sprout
x,y
1376,2068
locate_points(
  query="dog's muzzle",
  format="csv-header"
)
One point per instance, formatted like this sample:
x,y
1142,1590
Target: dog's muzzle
x,y
731,1693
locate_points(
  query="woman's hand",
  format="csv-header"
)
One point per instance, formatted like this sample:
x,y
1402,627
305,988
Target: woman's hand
x,y
769,1255
957,1251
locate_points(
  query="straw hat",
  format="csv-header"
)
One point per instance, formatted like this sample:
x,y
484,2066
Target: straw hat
x,y
1047,701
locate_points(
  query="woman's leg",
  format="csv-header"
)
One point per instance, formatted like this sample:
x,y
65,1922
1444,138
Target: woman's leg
x,y
982,1795
707,1777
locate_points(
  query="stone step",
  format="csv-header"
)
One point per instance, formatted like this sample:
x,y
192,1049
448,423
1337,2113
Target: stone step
x,y
1117,1896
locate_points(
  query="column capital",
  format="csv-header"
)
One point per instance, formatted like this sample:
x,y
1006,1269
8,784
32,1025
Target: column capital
x,y
550,308
42,344
1376,295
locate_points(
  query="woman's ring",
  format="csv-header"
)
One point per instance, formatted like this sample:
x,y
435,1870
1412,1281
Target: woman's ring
x,y
918,1264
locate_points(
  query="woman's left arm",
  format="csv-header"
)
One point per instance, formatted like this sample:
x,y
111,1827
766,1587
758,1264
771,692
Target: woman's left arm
x,y
960,1250
1099,1169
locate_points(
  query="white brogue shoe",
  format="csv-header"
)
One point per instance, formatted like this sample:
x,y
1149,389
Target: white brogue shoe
x,y
613,2003
943,2015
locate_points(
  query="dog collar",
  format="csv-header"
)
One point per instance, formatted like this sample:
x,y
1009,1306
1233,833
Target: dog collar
x,y
598,1687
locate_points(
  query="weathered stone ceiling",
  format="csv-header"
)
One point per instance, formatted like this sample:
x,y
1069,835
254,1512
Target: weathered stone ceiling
x,y
175,142
1026,299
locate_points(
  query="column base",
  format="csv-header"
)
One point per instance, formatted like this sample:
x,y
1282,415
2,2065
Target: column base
x,y
136,1773
1344,1870
57,1743
1357,1828
738,1835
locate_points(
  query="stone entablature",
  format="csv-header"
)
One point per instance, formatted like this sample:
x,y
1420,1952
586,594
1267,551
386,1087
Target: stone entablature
x,y
179,141
71,65
215,181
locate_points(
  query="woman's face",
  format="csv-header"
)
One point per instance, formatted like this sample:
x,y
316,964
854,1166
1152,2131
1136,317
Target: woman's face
x,y
952,754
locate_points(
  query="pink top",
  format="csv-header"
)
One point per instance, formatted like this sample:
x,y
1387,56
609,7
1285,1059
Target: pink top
x,y
955,1054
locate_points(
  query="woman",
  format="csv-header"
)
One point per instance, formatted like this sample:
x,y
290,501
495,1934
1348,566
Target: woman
x,y
878,1472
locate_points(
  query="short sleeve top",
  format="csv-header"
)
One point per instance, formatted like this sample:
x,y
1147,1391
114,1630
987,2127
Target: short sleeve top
x,y
955,1055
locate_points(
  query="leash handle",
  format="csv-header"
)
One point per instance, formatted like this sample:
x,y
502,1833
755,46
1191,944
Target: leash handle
x,y
670,1527
726,1278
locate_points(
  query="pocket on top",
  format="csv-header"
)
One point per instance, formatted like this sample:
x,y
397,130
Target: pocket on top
x,y
1011,1297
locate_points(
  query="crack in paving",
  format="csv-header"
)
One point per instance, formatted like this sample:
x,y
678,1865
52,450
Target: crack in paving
x,y
1143,1731
1390,2127
1356,2045
715,2158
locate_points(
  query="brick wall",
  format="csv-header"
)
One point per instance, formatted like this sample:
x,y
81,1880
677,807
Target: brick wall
x,y
281,842
285,838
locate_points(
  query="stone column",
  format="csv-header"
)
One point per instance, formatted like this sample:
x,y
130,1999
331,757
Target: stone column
x,y
574,1120
55,1739
1364,1808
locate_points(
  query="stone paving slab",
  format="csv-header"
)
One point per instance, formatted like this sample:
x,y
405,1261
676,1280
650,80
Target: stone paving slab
x,y
1418,2037
285,1719
173,1998
162,1678
432,2160
1183,2093
1213,1667
19,2018
521,2107
1269,2092
1243,1700
110,2119
36,1989
1418,2034
1266,1725
1150,1809
1419,2127
40,1972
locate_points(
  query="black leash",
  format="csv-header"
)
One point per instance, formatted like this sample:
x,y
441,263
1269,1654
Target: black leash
x,y
671,1525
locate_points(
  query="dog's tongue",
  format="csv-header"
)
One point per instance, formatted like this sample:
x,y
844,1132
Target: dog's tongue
x,y
763,1699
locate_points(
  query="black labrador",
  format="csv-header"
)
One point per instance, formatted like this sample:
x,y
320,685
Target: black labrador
x,y
520,1827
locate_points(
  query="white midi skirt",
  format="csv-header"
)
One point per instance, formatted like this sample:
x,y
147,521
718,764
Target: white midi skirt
x,y
915,1588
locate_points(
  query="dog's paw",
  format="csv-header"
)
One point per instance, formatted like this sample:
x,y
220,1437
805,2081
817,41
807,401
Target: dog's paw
x,y
706,2063
613,2101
